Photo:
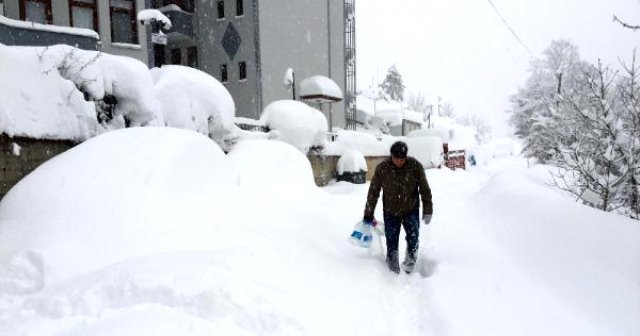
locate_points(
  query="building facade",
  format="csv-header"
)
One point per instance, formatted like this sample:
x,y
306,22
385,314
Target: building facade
x,y
248,45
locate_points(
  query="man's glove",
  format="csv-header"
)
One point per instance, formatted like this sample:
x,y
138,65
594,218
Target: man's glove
x,y
368,220
426,219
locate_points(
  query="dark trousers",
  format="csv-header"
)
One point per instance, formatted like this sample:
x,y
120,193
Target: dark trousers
x,y
411,225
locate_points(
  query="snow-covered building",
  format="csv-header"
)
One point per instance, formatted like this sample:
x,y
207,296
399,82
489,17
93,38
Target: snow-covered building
x,y
248,45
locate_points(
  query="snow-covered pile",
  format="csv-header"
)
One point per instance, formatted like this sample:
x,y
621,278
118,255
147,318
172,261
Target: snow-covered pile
x,y
296,123
351,161
426,149
194,100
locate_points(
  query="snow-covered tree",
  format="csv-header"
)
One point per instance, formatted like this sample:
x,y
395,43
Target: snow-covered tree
x,y
591,156
393,86
535,108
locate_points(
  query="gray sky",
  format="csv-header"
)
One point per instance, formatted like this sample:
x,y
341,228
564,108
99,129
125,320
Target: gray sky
x,y
462,51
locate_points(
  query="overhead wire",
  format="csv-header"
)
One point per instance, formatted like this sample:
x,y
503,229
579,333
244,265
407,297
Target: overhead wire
x,y
513,32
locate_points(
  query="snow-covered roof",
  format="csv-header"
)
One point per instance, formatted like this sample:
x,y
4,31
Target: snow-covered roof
x,y
50,28
320,88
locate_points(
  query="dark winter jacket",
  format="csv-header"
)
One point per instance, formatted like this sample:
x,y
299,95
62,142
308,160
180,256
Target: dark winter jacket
x,y
400,189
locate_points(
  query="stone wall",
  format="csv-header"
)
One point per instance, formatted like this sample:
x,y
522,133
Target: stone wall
x,y
20,156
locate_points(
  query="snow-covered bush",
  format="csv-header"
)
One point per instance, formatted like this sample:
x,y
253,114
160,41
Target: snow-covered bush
x,y
296,123
53,92
194,100
38,102
98,75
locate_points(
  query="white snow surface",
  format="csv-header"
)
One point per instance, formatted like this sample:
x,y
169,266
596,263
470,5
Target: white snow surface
x,y
296,123
155,231
320,85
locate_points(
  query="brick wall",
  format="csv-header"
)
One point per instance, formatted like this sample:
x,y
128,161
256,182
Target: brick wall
x,y
20,156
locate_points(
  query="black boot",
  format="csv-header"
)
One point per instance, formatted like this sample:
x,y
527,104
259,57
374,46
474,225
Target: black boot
x,y
392,262
409,261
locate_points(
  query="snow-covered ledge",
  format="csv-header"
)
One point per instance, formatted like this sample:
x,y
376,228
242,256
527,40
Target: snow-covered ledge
x,y
49,28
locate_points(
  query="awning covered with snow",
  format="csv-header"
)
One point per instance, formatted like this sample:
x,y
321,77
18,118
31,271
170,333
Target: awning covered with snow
x,y
320,89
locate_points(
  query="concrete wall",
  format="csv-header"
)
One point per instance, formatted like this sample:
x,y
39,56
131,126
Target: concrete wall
x,y
210,33
283,44
32,153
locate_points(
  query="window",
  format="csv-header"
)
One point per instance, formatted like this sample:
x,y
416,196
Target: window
x,y
224,74
123,21
192,57
176,56
239,8
83,14
242,69
38,11
220,9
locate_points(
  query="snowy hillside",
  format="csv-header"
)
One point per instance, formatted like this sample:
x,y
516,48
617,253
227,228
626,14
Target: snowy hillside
x,y
188,241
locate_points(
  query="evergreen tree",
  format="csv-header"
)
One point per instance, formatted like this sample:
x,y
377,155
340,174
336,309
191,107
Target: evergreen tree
x,y
392,86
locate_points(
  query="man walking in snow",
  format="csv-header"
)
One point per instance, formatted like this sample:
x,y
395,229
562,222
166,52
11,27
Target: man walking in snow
x,y
403,183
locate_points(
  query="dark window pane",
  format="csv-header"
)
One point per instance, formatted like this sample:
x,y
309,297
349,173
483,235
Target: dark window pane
x,y
122,28
192,57
242,67
220,9
239,7
223,73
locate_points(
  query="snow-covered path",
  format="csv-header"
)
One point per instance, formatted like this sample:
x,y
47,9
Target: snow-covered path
x,y
257,261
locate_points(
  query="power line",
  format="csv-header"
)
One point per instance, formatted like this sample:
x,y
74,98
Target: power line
x,y
511,29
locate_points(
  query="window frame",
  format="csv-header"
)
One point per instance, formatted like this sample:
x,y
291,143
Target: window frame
x,y
93,6
48,12
134,23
